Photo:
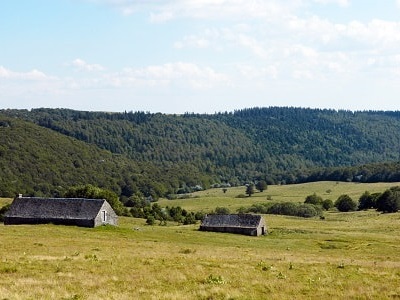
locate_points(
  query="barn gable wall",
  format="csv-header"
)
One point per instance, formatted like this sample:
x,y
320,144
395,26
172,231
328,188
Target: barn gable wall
x,y
111,216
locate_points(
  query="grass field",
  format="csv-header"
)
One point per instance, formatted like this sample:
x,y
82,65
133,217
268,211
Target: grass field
x,y
209,199
346,256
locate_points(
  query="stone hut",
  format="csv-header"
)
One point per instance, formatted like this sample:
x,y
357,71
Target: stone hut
x,y
246,224
62,211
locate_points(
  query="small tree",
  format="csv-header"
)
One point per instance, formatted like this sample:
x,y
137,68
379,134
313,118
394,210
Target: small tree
x,y
261,186
250,189
344,203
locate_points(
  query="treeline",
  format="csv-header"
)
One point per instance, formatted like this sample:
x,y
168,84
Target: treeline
x,y
378,172
43,151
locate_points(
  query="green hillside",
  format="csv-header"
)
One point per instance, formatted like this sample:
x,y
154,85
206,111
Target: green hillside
x,y
37,160
158,154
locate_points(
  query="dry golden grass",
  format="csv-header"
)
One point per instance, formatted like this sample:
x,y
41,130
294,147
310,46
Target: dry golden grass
x,y
346,256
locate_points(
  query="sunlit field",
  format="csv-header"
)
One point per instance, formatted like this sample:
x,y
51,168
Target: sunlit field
x,y
209,199
344,256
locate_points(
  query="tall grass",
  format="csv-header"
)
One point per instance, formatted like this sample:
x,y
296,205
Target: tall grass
x,y
346,256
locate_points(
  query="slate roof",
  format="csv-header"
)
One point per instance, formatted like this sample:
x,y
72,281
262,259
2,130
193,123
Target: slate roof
x,y
55,208
233,220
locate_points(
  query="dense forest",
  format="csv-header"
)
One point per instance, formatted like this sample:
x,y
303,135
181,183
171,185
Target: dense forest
x,y
45,151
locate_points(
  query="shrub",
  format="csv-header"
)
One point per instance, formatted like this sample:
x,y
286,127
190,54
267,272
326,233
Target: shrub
x,y
222,211
344,203
189,219
368,200
259,208
308,211
327,204
199,216
3,210
389,201
150,220
241,196
313,199
295,209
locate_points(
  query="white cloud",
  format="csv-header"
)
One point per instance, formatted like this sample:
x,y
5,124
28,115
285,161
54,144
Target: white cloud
x,y
161,11
251,43
376,32
192,41
342,3
30,75
257,73
179,74
84,66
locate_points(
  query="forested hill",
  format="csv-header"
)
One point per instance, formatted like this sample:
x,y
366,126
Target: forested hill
x,y
274,144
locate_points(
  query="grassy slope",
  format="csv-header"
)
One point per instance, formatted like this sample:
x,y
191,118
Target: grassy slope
x,y
347,255
209,199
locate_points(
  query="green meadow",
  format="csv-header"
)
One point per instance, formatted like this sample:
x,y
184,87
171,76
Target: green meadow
x,y
344,256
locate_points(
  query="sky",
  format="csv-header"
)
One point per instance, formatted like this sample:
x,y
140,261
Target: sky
x,y
202,56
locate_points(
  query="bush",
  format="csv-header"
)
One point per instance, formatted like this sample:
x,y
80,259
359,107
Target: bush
x,y
258,208
241,196
3,210
150,220
313,199
190,219
295,209
222,211
199,216
327,204
344,203
368,200
389,201
308,211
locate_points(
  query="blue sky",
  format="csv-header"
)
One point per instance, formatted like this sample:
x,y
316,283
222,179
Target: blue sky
x,y
201,56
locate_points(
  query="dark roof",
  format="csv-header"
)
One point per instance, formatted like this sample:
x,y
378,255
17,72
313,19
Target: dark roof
x,y
65,208
233,220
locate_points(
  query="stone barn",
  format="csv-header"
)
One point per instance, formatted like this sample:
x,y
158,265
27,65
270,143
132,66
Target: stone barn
x,y
247,224
62,211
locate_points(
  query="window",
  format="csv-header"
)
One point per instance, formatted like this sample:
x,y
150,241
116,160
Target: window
x,y
104,216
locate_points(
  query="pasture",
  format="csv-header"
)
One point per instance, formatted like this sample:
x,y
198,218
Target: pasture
x,y
345,256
